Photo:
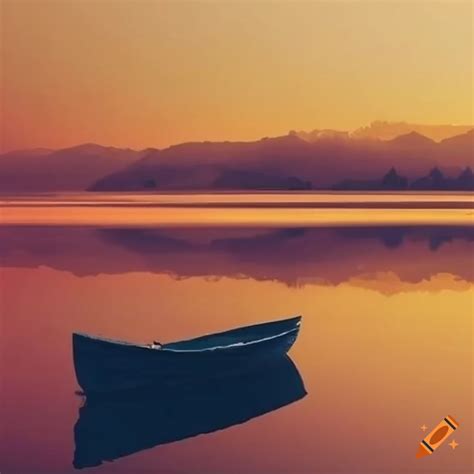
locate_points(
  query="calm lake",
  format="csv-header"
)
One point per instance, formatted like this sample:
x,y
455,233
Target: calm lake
x,y
385,289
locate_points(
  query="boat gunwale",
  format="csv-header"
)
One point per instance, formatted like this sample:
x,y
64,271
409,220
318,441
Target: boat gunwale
x,y
237,344
206,349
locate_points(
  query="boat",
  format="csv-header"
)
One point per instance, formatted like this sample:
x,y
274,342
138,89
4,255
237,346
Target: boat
x,y
104,365
111,426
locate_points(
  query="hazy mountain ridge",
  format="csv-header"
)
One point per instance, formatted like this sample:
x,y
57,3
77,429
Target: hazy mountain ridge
x,y
285,162
290,162
383,130
68,169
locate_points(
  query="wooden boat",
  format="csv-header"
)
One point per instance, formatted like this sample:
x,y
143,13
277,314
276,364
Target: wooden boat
x,y
111,426
104,365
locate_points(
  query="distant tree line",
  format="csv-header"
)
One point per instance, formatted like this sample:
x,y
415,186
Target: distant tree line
x,y
391,181
434,181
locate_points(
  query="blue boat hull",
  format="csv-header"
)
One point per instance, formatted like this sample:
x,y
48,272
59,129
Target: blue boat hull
x,y
103,365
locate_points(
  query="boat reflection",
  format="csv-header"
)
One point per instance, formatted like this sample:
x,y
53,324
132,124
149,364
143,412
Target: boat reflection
x,y
113,426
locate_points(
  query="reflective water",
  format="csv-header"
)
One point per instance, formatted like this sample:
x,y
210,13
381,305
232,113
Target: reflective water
x,y
386,346
316,209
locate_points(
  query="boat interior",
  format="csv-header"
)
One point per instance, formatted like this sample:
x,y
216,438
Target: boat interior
x,y
238,336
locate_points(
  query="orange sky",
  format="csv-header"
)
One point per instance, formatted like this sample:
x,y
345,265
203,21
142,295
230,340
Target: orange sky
x,y
139,74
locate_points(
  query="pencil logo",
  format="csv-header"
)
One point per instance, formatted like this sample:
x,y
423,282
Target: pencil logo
x,y
437,436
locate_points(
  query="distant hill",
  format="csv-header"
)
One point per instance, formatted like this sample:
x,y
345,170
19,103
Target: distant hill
x,y
326,160
391,181
435,180
413,141
381,130
69,169
316,135
385,131
289,162
458,147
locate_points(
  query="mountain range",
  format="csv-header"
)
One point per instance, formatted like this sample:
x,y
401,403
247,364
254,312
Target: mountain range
x,y
383,130
327,160
68,169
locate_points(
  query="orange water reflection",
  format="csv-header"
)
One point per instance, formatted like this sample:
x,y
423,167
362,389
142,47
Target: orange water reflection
x,y
375,257
383,348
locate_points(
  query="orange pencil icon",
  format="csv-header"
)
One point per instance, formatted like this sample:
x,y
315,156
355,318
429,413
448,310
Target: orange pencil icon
x,y
437,436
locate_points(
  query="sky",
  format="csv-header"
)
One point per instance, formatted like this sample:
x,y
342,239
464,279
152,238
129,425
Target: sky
x,y
151,73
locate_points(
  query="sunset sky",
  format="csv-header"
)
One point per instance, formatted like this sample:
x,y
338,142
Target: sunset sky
x,y
142,73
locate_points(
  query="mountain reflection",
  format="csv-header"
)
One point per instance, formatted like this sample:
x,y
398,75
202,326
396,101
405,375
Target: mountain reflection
x,y
324,255
116,426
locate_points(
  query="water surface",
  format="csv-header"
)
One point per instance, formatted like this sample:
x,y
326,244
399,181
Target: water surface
x,y
248,209
385,345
